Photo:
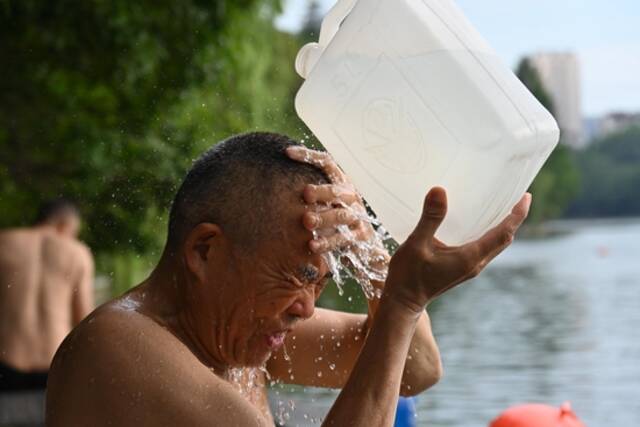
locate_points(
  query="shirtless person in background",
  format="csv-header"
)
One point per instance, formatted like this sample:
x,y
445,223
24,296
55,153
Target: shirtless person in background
x,y
46,278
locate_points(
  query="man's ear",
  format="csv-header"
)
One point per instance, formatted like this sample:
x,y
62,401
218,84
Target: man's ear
x,y
200,246
60,226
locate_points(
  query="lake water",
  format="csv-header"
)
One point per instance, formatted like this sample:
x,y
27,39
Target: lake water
x,y
551,320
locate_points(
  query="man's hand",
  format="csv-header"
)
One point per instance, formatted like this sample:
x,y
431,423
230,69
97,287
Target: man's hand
x,y
341,220
424,268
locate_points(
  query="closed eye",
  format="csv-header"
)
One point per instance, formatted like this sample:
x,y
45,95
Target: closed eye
x,y
309,273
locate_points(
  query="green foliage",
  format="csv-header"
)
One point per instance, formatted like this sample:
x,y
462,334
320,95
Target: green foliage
x,y
352,299
555,186
610,169
557,183
310,30
124,269
527,73
109,101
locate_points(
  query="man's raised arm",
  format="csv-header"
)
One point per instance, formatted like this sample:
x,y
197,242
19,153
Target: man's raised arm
x,y
422,269
323,350
329,342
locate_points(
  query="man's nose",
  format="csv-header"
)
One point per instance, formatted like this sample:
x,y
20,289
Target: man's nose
x,y
304,304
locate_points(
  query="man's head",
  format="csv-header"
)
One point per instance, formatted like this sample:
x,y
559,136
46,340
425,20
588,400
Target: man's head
x,y
62,214
235,224
240,184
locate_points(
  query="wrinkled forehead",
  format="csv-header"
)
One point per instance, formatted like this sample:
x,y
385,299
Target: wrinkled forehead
x,y
291,240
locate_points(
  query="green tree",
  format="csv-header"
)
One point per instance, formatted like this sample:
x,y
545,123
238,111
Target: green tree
x,y
557,183
310,30
109,102
610,169
528,74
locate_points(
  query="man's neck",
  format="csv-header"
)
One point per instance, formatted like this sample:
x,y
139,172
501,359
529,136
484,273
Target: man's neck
x,y
174,301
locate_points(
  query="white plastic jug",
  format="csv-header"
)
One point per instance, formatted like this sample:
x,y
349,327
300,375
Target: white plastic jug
x,y
406,95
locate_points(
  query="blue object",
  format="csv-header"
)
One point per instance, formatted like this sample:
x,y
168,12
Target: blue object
x,y
406,412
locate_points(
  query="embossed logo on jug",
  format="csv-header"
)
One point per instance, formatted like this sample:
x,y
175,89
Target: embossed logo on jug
x,y
391,135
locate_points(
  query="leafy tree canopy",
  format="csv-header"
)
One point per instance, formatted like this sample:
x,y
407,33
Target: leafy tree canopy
x,y
610,169
558,181
109,101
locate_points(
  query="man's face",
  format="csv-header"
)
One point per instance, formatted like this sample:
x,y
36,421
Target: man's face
x,y
283,286
269,290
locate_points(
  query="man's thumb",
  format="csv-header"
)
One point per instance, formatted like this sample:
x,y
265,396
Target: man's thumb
x,y
433,213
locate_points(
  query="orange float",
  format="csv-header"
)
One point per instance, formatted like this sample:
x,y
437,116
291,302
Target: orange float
x,y
537,415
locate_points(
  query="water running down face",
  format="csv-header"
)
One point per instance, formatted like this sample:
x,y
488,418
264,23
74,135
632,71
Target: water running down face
x,y
253,299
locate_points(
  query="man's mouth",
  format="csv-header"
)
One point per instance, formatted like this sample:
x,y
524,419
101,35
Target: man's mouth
x,y
275,340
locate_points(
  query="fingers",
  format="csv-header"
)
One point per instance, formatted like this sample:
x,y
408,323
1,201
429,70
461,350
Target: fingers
x,y
433,213
329,219
330,193
319,159
500,237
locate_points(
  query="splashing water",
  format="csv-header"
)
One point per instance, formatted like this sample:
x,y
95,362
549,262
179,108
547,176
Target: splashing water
x,y
359,259
360,256
247,381
284,411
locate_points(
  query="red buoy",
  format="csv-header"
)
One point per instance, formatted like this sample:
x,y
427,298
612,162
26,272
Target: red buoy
x,y
537,415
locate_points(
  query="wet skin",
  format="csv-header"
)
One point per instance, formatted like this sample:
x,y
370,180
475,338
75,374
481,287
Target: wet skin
x,y
160,354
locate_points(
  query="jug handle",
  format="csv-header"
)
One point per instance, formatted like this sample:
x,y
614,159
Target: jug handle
x,y
310,53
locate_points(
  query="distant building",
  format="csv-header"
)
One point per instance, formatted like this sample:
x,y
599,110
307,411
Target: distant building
x,y
560,74
617,122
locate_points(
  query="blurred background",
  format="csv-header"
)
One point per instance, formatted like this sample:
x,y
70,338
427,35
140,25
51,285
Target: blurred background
x,y
109,103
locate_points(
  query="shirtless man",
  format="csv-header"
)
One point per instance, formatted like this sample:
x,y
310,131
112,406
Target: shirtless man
x,y
236,287
46,279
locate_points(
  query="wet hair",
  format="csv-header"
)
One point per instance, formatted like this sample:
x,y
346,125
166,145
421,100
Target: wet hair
x,y
240,185
56,209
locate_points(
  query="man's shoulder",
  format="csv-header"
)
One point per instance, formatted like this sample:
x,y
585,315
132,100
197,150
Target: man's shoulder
x,y
112,329
10,235
69,245
67,254
119,339
85,257
118,356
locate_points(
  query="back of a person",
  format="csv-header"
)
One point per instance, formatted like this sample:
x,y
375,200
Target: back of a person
x,y
46,288
38,272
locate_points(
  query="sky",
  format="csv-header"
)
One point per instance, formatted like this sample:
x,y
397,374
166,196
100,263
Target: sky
x,y
604,34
